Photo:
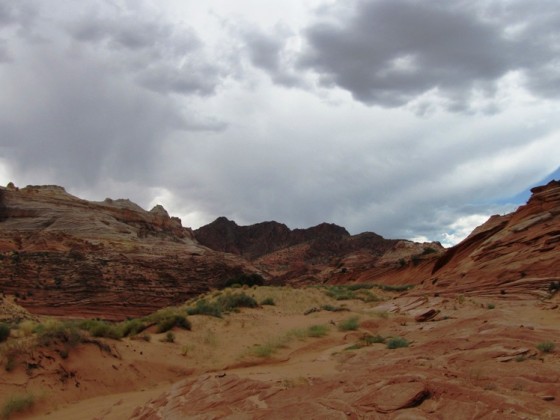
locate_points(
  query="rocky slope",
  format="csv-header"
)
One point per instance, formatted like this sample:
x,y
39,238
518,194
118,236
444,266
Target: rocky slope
x,y
323,253
512,255
63,255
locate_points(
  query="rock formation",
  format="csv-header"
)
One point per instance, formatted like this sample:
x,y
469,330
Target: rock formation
x,y
516,254
62,255
323,253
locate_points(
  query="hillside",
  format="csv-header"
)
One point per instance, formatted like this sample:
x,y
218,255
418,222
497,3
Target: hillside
x,y
62,255
509,256
319,254
315,352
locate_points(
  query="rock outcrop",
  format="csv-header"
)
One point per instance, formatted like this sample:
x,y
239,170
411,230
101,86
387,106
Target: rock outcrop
x,y
512,255
323,253
62,255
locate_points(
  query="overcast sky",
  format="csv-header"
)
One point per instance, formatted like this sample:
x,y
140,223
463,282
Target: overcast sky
x,y
413,119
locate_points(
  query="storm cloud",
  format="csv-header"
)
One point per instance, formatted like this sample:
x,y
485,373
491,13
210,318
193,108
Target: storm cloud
x,y
411,119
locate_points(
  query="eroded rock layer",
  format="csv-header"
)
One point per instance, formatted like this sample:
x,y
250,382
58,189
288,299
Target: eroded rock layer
x,y
512,255
62,255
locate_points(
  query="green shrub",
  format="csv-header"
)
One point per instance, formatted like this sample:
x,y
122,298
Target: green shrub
x,y
4,332
359,286
397,342
317,331
245,280
546,346
229,302
51,332
132,327
173,321
490,306
203,307
372,339
17,404
349,324
264,350
169,337
268,301
98,328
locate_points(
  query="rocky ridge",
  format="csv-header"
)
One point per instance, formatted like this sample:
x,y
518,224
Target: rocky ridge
x,y
323,253
510,255
62,255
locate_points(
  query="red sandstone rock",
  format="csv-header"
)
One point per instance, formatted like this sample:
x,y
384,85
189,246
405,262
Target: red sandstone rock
x,y
62,255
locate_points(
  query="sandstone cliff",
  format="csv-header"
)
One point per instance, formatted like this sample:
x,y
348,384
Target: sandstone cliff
x,y
511,255
63,255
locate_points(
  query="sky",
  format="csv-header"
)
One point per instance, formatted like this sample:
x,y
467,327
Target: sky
x,y
412,119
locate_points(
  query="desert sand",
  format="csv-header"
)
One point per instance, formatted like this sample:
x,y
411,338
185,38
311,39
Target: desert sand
x,y
475,358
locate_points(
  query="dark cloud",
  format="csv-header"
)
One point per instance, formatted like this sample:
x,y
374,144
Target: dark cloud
x,y
269,52
164,57
91,101
390,52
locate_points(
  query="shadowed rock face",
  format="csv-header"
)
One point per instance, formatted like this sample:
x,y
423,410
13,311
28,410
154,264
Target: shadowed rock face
x,y
323,253
516,254
65,256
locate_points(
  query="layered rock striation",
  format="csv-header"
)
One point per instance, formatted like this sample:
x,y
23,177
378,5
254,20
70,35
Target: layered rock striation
x,y
512,255
62,255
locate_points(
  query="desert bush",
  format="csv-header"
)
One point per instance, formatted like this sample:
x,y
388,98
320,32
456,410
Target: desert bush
x,y
372,339
317,331
546,346
359,286
397,342
168,323
17,404
169,337
349,324
264,350
4,332
268,301
395,288
490,306
245,280
203,307
26,327
230,302
98,328
52,331
132,327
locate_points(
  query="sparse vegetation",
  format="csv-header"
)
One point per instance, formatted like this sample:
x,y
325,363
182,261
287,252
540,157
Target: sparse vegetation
x,y
203,307
99,328
317,331
490,306
224,303
546,346
17,404
169,322
362,291
245,280
4,332
268,301
373,339
169,337
349,324
53,331
397,342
